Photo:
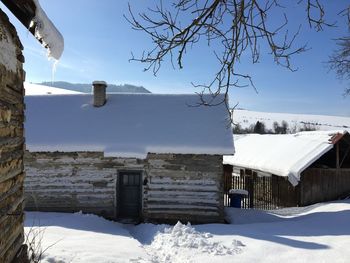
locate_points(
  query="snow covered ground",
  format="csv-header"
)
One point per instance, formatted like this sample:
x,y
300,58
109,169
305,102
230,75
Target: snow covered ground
x,y
318,233
32,89
320,122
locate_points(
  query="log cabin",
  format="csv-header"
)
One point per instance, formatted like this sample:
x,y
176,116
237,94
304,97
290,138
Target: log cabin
x,y
138,157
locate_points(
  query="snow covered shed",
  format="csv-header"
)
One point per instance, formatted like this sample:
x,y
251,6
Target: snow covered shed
x,y
290,169
143,156
12,77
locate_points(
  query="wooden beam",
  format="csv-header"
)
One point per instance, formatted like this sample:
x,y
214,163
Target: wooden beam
x,y
344,157
337,156
346,138
24,10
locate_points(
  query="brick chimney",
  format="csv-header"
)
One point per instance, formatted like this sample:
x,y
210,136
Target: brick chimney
x,y
99,91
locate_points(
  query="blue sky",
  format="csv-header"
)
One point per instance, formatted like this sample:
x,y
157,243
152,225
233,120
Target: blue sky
x,y
99,42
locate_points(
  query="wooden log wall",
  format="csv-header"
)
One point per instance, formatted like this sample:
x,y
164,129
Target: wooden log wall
x,y
179,187
11,141
71,182
184,187
320,185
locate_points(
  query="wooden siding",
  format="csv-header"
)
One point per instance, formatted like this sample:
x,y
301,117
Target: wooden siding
x,y
320,185
184,187
70,182
176,187
11,147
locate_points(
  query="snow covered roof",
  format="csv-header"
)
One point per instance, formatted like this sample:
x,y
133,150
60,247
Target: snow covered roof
x,y
285,155
32,89
128,125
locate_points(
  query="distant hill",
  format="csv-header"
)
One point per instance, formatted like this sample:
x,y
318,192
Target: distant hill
x,y
246,118
86,88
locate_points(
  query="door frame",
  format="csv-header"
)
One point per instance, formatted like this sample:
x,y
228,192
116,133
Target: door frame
x,y
118,192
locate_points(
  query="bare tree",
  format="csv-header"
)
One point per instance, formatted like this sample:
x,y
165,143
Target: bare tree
x,y
280,129
235,26
339,61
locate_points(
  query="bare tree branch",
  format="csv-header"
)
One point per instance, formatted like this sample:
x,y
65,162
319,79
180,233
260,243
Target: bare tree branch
x,y
339,61
237,27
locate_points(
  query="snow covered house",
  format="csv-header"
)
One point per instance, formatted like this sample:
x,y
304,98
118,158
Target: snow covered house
x,y
12,77
148,157
291,169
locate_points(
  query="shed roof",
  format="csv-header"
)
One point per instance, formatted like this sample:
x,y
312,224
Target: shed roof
x,y
128,125
286,155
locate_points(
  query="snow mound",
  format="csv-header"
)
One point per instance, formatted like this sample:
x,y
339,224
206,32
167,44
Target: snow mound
x,y
172,244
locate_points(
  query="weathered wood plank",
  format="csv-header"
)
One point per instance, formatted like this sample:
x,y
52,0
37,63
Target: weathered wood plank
x,y
89,181
321,185
179,184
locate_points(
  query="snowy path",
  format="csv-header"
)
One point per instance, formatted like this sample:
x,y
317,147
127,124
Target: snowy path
x,y
318,233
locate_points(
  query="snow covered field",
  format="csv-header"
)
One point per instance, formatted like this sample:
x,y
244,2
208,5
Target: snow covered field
x,y
35,89
319,233
320,122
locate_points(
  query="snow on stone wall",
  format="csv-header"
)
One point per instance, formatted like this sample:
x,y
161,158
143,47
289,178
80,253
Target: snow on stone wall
x,y
11,141
8,55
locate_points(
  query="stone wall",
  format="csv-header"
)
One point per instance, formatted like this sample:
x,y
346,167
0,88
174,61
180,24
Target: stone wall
x,y
179,187
11,141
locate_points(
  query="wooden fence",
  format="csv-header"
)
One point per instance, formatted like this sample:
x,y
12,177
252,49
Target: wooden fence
x,y
272,192
265,192
321,185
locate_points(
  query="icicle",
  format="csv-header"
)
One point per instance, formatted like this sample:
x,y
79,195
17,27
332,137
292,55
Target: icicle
x,y
53,70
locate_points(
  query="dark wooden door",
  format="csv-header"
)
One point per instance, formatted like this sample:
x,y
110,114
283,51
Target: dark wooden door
x,y
129,202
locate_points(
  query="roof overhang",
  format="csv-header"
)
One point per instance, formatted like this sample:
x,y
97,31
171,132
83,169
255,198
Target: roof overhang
x,y
31,15
24,10
339,136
